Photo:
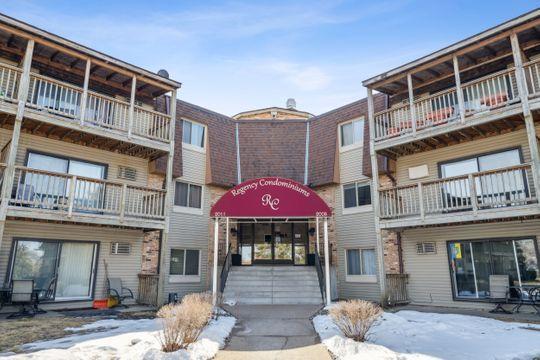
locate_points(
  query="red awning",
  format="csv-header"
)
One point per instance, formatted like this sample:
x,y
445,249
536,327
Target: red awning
x,y
270,198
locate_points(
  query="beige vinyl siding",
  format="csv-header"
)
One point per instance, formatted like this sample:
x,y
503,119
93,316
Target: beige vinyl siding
x,y
434,157
354,230
190,231
62,148
125,267
350,165
429,274
193,165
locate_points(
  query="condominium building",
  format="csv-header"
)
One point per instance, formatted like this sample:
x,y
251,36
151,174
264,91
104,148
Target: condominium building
x,y
419,193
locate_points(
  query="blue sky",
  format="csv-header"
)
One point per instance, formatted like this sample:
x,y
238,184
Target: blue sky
x,y
233,56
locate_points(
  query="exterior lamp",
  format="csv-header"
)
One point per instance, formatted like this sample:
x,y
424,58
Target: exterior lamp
x,y
234,231
311,231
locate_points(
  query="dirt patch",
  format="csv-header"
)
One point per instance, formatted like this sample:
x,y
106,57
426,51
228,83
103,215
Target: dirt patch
x,y
21,331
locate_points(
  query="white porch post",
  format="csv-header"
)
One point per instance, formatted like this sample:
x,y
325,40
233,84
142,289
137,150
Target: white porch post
x,y
327,264
317,235
227,236
214,276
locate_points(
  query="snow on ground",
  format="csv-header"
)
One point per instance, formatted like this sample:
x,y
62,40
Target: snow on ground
x,y
128,339
412,335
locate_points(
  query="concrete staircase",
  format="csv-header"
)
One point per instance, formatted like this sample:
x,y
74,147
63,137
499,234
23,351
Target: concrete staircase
x,y
273,285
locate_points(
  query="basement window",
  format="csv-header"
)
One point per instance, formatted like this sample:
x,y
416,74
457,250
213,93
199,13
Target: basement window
x,y
361,265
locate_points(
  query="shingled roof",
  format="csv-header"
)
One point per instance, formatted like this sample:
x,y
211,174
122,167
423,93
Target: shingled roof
x,y
271,147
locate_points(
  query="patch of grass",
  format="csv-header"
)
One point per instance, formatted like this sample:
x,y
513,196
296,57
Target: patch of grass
x,y
21,331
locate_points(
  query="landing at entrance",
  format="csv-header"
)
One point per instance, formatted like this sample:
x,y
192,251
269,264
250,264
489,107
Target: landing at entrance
x,y
273,285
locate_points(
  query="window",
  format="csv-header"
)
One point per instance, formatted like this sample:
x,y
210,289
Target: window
x,y
352,132
184,264
361,265
193,134
66,266
472,262
187,195
497,188
356,194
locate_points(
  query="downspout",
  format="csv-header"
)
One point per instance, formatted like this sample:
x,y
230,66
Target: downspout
x,y
238,170
306,158
400,252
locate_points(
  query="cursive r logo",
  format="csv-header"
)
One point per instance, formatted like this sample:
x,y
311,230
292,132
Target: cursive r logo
x,y
268,201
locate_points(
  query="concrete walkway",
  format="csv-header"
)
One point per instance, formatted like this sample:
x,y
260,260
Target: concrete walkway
x,y
273,332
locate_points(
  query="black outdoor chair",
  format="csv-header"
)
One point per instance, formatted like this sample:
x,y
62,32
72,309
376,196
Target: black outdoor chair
x,y
117,291
43,295
525,295
22,294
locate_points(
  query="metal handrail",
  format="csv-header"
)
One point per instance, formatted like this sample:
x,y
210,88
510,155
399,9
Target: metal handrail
x,y
225,269
320,275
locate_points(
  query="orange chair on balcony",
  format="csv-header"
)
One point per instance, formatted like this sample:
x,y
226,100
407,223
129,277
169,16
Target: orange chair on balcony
x,y
495,99
440,116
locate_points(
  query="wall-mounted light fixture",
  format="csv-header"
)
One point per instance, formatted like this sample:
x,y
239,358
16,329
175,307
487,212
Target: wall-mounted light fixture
x,y
234,231
311,231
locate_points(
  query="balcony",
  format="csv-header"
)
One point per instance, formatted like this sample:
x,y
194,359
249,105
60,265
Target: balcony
x,y
52,97
55,196
484,99
502,193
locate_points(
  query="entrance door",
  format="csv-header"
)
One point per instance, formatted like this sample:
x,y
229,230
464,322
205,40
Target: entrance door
x,y
276,243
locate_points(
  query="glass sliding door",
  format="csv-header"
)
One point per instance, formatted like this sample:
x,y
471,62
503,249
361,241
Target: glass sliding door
x,y
75,270
472,262
35,260
51,191
68,265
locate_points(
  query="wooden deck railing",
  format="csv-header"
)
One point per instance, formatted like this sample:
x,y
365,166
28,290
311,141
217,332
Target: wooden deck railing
x,y
64,99
148,289
75,194
480,95
396,288
505,187
532,77
9,82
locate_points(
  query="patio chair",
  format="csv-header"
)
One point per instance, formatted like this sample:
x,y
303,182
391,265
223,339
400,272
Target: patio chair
x,y
117,291
526,296
22,293
498,292
44,295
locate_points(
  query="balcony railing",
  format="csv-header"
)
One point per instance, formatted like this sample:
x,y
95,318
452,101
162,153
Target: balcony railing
x,y
70,194
9,82
102,111
481,95
501,188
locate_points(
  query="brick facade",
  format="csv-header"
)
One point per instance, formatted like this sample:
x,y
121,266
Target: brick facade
x,y
151,242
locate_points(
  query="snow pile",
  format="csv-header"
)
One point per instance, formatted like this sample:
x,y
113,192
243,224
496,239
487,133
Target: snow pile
x,y
412,335
128,339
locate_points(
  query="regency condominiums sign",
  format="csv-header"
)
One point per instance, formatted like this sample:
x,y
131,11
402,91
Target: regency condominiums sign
x,y
270,197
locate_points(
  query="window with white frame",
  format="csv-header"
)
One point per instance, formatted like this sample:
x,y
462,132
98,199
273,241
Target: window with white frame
x,y
193,133
187,195
356,194
361,264
184,262
352,132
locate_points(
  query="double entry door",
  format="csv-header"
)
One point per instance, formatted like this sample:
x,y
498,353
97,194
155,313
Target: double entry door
x,y
273,243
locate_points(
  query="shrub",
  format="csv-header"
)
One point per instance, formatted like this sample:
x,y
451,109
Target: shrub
x,y
355,317
183,323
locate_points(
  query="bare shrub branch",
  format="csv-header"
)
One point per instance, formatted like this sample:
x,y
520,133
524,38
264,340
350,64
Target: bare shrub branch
x,y
355,317
183,323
